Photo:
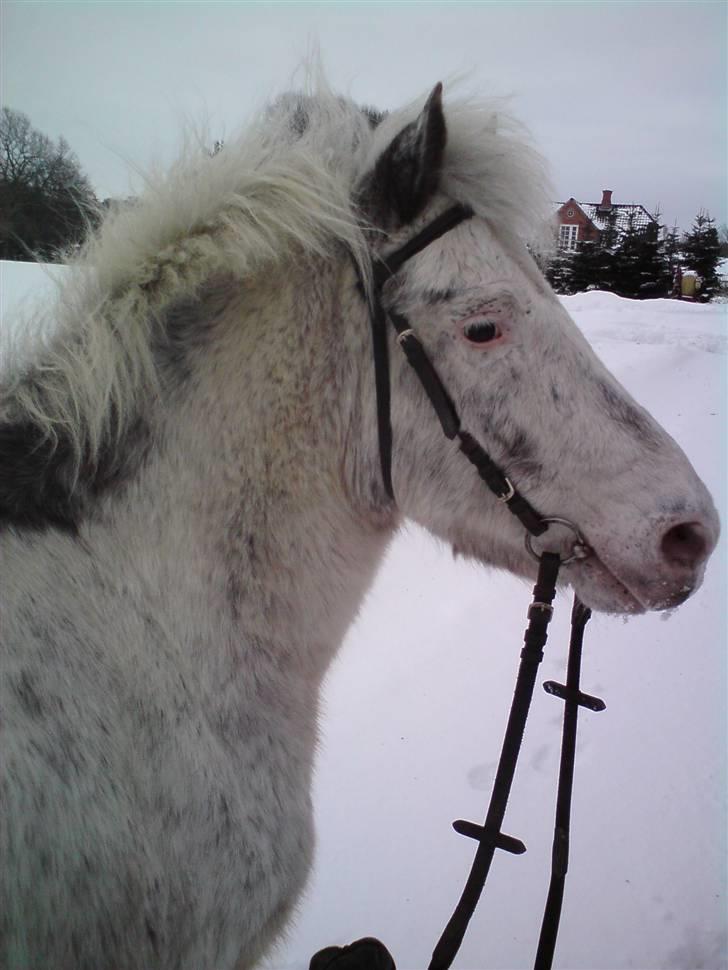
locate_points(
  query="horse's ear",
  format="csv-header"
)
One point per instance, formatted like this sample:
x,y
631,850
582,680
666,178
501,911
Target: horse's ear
x,y
407,173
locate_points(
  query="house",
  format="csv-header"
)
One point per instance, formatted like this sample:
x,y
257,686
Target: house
x,y
599,222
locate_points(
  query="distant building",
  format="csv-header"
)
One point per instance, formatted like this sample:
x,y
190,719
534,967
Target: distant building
x,y
599,222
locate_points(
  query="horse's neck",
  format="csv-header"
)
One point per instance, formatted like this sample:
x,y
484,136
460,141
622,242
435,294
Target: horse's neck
x,y
250,510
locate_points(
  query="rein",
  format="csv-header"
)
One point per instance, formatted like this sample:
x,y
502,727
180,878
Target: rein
x,y
489,835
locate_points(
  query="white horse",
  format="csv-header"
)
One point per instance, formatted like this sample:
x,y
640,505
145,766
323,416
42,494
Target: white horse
x,y
192,506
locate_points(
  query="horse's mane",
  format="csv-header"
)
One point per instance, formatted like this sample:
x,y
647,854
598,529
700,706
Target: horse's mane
x,y
286,185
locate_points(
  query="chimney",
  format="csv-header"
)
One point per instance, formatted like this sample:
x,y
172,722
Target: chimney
x,y
606,202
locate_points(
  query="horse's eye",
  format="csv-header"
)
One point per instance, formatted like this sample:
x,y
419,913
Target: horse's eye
x,y
481,331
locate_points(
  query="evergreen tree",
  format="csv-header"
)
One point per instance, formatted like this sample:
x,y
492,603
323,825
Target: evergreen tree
x,y
654,266
701,252
591,268
640,266
627,276
671,249
558,272
610,233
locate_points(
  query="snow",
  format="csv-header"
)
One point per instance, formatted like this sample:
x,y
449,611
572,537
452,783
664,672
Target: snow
x,y
416,704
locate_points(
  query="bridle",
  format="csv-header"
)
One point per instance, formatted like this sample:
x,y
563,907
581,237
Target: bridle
x,y
489,835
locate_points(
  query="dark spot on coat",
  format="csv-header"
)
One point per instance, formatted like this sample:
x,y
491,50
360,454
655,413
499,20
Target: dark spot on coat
x,y
299,119
516,450
521,447
674,508
373,116
188,326
34,471
522,460
45,862
151,934
38,489
252,552
24,690
433,297
622,411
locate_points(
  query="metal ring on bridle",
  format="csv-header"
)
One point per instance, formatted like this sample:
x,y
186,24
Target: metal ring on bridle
x,y
579,549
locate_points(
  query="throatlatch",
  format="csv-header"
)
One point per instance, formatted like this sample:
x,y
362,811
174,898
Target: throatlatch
x,y
488,835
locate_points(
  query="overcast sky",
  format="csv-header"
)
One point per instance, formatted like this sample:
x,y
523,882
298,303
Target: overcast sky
x,y
629,96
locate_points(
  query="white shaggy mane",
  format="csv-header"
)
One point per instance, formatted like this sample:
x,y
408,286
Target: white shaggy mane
x,y
283,188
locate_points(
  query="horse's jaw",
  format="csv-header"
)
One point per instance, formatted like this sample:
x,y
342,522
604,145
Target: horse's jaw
x,y
601,590
606,587
607,580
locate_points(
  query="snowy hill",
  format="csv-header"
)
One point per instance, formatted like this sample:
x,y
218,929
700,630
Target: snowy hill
x,y
415,708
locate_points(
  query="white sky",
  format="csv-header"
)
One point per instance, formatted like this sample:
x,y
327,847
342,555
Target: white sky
x,y
626,96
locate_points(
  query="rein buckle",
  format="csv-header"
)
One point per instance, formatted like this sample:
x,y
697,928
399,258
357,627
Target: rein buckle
x,y
543,607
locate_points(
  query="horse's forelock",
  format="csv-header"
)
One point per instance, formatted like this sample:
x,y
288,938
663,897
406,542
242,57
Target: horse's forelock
x,y
492,165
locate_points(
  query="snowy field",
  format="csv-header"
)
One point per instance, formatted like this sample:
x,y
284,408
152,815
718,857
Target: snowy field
x,y
416,705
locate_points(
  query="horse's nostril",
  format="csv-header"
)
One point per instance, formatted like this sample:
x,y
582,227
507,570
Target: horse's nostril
x,y
685,544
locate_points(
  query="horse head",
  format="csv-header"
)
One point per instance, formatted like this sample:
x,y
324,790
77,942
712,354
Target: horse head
x,y
531,392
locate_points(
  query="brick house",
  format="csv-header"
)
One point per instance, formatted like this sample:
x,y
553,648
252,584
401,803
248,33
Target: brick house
x,y
599,222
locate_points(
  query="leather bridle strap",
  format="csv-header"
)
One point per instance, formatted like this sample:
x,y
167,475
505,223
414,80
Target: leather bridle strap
x,y
382,270
385,267
489,835
574,698
417,357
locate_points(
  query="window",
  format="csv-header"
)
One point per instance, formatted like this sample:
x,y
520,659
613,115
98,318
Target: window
x,y
568,236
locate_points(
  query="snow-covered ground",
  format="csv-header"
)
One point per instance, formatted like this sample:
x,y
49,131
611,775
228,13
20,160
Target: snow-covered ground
x,y
415,708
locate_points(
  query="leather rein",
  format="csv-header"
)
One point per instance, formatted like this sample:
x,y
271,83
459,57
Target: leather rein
x,y
489,835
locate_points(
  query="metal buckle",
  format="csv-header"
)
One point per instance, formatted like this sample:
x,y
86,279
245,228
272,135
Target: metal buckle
x,y
544,607
409,332
579,549
509,493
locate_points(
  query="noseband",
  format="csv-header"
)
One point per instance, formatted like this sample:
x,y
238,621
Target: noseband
x,y
489,835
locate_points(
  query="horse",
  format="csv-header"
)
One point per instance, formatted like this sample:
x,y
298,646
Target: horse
x,y
193,504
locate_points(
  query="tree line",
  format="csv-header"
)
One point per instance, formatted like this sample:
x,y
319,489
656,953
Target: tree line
x,y
47,206
642,262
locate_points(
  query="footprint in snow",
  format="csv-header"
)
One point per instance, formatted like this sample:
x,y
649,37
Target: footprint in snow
x,y
480,777
539,757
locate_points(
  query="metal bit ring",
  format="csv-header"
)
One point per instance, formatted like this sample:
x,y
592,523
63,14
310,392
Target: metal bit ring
x,y
579,550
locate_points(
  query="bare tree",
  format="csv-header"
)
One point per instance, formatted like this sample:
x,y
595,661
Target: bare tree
x,y
46,202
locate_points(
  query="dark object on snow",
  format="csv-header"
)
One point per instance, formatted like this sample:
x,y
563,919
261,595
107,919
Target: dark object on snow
x,y
651,290
366,954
